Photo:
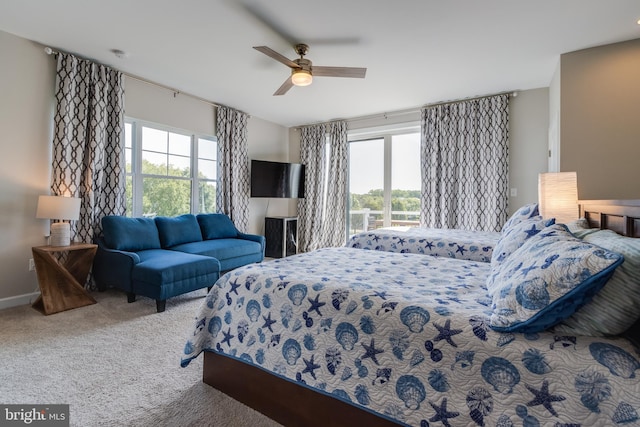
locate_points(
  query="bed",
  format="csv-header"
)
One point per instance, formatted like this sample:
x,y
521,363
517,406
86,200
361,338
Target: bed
x,y
343,336
471,245
450,243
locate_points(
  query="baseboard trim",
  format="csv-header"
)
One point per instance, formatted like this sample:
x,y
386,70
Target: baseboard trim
x,y
18,300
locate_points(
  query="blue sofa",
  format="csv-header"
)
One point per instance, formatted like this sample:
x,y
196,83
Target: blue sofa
x,y
167,256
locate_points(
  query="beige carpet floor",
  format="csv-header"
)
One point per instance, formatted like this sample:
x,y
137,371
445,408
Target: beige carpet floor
x,y
115,364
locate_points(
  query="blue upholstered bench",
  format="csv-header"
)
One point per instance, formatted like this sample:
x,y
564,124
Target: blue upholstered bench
x,y
168,256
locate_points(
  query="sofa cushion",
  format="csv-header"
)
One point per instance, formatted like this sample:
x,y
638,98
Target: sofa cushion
x,y
130,234
216,226
161,273
221,248
177,230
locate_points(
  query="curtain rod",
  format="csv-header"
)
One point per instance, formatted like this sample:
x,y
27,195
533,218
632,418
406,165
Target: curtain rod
x,y
176,92
435,104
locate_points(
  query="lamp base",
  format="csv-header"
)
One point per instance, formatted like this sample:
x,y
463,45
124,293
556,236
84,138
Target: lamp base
x,y
60,234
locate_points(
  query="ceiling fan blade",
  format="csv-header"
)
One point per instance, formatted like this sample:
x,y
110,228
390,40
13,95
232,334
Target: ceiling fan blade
x,y
288,84
275,55
275,23
339,72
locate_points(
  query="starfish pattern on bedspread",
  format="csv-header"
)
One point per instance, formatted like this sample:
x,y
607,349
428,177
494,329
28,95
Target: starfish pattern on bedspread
x,y
544,398
445,332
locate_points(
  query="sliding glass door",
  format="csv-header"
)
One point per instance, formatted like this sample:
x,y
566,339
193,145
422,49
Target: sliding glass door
x,y
384,180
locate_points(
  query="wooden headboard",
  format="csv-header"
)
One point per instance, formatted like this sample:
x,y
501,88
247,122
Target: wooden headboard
x,y
621,216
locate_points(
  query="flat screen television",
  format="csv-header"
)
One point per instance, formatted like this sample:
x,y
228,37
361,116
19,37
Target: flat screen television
x,y
277,179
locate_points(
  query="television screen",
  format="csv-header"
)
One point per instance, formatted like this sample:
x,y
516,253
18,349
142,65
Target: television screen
x,y
277,179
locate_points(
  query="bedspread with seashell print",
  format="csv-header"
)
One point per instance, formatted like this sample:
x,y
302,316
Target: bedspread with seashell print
x,y
407,336
448,243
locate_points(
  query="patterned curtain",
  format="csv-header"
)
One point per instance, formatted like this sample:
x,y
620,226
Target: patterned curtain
x,y
335,214
311,209
232,195
465,158
322,213
88,142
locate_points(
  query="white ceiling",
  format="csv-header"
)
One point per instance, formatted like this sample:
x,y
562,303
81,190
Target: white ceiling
x,y
416,51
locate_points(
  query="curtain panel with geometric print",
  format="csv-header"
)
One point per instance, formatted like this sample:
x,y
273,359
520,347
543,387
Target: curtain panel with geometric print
x,y
232,195
465,164
88,142
322,212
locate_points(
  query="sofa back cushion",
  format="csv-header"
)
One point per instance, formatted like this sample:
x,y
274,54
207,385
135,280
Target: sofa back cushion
x,y
178,230
216,226
130,234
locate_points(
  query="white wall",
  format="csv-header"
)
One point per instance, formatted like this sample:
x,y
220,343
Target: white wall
x,y
268,141
528,149
27,80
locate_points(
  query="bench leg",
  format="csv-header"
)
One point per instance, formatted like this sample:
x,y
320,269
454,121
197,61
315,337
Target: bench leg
x,y
161,305
131,297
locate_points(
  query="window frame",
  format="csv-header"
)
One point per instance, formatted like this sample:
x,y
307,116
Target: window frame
x,y
137,177
385,133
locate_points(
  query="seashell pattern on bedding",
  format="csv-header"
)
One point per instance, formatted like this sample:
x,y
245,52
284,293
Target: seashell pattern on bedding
x,y
407,337
448,243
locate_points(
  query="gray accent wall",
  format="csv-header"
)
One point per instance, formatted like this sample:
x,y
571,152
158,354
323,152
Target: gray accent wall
x,y
600,118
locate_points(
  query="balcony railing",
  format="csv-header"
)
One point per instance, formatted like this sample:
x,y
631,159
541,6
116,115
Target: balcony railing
x,y
367,219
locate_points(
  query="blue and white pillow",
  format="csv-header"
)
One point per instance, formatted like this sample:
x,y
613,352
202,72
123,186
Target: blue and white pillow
x,y
523,213
547,279
516,235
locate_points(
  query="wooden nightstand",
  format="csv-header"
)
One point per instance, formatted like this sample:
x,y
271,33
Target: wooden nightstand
x,y
62,285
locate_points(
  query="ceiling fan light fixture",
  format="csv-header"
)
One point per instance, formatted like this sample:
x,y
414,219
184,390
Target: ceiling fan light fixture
x,y
301,77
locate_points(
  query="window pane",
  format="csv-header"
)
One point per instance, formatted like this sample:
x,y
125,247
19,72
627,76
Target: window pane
x,y
207,195
207,149
179,144
127,134
366,183
207,169
165,197
127,156
129,195
154,140
405,180
179,166
154,163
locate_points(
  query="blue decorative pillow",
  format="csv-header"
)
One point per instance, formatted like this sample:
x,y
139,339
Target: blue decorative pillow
x,y
178,230
130,234
516,235
525,212
216,226
547,279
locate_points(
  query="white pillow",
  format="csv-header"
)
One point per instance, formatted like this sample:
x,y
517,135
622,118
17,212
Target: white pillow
x,y
617,306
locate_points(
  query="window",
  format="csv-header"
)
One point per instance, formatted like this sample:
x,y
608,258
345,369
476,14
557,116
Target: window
x,y
384,178
169,172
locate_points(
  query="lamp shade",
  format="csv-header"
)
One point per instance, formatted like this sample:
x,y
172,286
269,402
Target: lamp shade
x,y
558,196
58,207
301,77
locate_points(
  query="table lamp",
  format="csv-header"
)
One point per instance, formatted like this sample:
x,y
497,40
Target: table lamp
x,y
59,208
558,196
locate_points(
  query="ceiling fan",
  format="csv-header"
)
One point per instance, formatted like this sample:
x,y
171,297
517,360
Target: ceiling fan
x,y
302,70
